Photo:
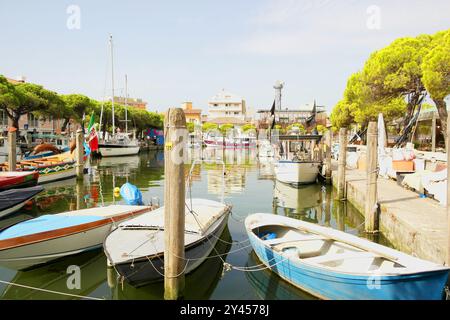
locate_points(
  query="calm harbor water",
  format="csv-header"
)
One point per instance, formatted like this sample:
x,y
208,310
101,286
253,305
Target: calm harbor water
x,y
248,185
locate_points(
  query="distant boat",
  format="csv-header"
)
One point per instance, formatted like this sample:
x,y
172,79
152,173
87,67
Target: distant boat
x,y
297,164
18,179
14,199
119,144
49,237
331,264
136,248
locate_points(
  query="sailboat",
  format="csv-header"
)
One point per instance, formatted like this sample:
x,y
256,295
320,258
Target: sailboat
x,y
120,143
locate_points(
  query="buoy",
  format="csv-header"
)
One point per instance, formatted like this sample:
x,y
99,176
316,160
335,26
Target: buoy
x,y
116,190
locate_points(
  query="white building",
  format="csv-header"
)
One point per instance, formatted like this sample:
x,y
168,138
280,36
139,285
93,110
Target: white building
x,y
226,105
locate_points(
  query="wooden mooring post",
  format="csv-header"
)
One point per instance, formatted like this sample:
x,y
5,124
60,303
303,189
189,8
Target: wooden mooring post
x,y
328,136
448,191
80,154
342,163
174,204
371,208
12,149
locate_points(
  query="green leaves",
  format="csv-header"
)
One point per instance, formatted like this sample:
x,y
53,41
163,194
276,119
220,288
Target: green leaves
x,y
404,70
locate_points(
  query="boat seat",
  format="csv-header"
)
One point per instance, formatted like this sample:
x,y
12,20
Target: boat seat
x,y
340,256
274,242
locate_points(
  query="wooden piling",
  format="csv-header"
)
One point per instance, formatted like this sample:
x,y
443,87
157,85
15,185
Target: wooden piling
x,y
342,163
433,133
448,191
12,150
328,135
371,208
174,204
80,154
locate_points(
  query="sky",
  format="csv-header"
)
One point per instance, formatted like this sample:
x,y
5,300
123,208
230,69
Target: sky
x,y
175,51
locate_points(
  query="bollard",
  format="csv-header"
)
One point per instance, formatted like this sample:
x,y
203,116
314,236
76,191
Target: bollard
x,y
448,191
371,208
342,163
12,151
80,154
174,203
328,136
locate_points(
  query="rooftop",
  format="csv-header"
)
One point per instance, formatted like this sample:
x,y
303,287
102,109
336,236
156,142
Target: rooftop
x,y
227,97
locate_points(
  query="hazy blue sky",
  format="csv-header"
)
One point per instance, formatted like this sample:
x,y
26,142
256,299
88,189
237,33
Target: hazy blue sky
x,y
174,51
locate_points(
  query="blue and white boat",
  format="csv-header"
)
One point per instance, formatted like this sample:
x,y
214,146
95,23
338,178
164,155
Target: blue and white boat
x,y
332,264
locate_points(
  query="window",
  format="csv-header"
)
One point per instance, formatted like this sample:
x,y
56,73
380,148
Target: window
x,y
4,118
33,121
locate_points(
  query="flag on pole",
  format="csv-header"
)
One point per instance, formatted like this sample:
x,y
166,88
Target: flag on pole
x,y
93,136
272,115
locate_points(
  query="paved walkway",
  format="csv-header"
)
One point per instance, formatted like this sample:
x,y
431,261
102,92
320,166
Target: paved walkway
x,y
414,225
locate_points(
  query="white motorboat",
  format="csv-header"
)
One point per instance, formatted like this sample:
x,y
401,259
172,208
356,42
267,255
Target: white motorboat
x,y
136,248
298,163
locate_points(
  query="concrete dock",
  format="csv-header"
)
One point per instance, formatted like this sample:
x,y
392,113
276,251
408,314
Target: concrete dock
x,y
413,225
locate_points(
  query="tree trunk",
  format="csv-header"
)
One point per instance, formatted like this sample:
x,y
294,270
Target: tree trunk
x,y
442,110
64,126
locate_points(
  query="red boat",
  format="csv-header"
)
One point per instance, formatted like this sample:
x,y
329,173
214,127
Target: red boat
x,y
18,179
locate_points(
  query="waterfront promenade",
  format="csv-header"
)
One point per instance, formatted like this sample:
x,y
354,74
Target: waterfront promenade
x,y
414,225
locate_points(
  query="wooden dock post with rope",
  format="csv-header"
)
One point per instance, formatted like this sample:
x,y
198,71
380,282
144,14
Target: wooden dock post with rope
x,y
448,192
12,149
80,154
328,144
342,163
371,207
174,203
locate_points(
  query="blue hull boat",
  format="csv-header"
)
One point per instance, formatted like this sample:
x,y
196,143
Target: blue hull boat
x,y
331,264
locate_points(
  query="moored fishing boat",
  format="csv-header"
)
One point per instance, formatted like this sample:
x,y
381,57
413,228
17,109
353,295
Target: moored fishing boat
x,y
18,179
49,237
136,248
297,162
331,264
14,199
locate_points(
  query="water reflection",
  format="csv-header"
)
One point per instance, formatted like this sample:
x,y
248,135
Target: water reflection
x,y
249,186
54,277
268,286
199,284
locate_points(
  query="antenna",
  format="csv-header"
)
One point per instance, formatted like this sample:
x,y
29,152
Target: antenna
x,y
278,86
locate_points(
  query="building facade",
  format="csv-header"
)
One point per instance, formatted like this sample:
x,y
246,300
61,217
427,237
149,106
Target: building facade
x,y
226,105
192,115
132,102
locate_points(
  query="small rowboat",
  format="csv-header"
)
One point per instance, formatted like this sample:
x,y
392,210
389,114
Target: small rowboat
x,y
332,264
136,248
14,199
17,179
49,237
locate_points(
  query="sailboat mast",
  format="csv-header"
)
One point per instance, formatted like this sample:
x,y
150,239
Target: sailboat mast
x,y
112,86
126,104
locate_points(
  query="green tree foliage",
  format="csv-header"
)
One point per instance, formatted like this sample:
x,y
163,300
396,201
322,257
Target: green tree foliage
x,y
207,126
297,125
190,126
225,128
395,80
248,127
75,106
436,74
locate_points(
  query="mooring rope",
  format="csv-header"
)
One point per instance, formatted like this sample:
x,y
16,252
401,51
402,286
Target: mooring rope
x,y
49,291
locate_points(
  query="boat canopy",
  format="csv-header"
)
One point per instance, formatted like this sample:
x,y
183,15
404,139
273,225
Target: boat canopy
x,y
300,137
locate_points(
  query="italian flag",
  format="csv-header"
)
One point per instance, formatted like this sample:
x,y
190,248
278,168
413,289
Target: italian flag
x,y
93,137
